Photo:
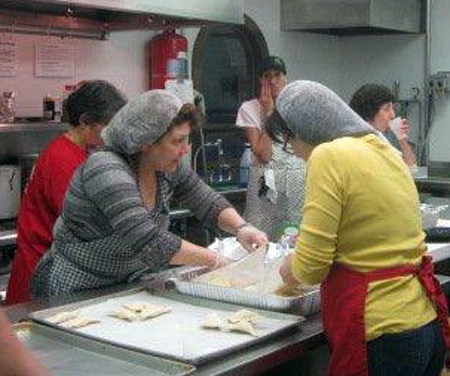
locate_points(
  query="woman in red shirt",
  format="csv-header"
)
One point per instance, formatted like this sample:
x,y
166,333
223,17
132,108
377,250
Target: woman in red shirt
x,y
90,108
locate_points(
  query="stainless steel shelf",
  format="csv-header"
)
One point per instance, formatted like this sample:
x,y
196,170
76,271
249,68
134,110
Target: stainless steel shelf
x,y
32,127
433,185
8,237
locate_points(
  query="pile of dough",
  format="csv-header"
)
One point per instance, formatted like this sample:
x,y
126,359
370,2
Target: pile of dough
x,y
125,314
155,311
245,315
139,307
238,282
80,322
220,280
140,311
243,327
241,321
63,317
212,321
289,291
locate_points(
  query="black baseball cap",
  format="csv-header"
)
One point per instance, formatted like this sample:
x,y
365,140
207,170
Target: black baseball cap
x,y
272,62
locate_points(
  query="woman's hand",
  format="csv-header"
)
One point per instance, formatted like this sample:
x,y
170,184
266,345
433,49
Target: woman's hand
x,y
286,272
251,238
404,130
192,254
221,261
265,99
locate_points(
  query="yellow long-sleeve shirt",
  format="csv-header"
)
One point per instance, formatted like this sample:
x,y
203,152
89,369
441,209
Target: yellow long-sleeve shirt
x,y
362,210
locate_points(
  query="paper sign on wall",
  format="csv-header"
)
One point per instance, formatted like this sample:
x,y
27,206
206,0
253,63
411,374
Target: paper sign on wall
x,y
54,60
9,60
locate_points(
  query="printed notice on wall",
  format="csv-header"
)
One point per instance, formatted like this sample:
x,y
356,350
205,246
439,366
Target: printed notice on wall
x,y
54,60
9,60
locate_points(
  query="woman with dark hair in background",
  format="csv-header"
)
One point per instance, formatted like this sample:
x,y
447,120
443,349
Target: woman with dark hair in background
x,y
275,190
89,108
374,103
361,237
114,226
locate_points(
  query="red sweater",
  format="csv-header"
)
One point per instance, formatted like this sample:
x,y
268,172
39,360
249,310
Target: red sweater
x,y
41,205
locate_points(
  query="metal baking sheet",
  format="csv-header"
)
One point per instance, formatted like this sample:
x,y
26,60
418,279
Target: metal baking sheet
x,y
65,354
177,335
306,304
439,251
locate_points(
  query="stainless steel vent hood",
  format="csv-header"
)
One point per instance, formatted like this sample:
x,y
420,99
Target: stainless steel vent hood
x,y
104,16
350,17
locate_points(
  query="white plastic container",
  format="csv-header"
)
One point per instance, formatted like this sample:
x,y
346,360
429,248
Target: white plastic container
x,y
244,167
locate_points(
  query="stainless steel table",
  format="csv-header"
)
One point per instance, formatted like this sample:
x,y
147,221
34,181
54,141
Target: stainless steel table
x,y
253,360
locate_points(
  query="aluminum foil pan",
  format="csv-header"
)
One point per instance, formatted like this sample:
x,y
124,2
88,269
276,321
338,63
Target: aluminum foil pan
x,y
305,305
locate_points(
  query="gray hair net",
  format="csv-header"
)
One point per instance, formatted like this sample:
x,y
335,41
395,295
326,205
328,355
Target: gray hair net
x,y
142,121
315,114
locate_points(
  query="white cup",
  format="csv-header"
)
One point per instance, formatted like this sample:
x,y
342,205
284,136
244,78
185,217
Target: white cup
x,y
395,126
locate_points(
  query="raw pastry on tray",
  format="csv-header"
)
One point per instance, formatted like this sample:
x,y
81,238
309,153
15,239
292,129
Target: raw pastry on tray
x,y
63,317
125,314
80,322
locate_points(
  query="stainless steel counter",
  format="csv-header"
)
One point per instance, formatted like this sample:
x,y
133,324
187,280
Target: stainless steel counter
x,y
8,237
434,185
31,127
253,360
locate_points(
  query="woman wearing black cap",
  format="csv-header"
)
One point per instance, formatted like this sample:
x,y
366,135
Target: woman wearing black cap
x,y
276,186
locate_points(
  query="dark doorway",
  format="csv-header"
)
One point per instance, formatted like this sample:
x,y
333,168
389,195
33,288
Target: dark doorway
x,y
225,61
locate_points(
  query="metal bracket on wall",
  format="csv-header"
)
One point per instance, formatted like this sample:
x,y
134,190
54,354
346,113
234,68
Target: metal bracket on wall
x,y
50,25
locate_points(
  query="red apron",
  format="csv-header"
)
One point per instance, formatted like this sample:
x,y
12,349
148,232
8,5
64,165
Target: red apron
x,y
343,295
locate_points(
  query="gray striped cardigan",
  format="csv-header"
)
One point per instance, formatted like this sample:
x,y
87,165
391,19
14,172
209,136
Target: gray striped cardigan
x,y
105,235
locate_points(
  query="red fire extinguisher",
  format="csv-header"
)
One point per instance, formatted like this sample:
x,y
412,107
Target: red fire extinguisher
x,y
164,49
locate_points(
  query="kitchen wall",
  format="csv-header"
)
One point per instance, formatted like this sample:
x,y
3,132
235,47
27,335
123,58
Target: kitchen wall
x,y
341,63
385,59
440,61
308,56
120,60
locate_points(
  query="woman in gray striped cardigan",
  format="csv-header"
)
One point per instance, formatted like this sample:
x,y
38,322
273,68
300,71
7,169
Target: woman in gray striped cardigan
x,y
115,219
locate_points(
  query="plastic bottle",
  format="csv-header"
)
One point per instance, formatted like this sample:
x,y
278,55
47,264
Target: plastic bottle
x,y
244,167
57,113
48,107
182,65
177,68
179,82
68,89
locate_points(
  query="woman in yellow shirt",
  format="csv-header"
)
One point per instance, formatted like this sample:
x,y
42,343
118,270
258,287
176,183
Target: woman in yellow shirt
x,y
361,237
